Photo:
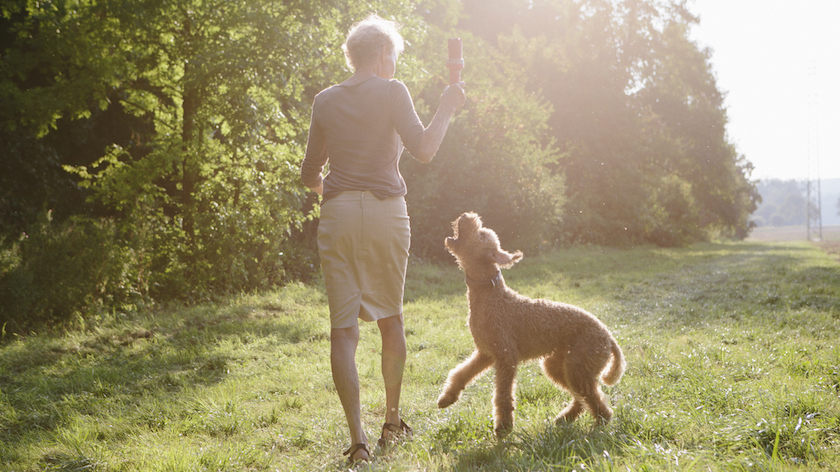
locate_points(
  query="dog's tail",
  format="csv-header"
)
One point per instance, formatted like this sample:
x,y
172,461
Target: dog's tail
x,y
612,376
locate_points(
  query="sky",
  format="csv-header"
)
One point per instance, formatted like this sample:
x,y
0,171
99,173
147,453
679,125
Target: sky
x,y
778,62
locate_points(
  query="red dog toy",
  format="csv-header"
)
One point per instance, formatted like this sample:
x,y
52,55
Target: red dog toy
x,y
456,60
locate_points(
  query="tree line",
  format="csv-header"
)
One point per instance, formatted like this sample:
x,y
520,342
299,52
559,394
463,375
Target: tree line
x,y
785,202
151,148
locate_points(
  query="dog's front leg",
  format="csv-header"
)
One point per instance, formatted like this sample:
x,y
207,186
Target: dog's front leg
x,y
462,375
504,398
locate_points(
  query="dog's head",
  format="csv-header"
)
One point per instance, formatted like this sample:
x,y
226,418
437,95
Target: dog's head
x,y
475,246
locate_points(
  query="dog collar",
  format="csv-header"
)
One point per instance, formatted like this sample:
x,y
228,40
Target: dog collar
x,y
494,282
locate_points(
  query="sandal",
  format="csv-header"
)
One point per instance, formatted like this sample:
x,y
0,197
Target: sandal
x,y
356,448
399,431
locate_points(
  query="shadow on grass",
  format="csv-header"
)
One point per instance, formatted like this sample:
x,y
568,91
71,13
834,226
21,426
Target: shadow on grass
x,y
45,380
552,447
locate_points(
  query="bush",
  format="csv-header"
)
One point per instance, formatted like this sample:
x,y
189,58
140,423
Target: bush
x,y
61,273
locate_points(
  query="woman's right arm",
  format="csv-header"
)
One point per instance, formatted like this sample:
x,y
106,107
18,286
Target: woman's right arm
x,y
452,98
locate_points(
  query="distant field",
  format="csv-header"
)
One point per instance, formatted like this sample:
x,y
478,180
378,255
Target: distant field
x,y
791,233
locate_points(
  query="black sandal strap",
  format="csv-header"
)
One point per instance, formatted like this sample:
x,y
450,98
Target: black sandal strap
x,y
399,431
406,429
354,449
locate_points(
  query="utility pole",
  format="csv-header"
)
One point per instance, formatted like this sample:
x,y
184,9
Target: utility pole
x,y
813,200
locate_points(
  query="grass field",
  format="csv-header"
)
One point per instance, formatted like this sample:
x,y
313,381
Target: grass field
x,y
732,350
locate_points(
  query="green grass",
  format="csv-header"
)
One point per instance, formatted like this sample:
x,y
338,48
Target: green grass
x,y
732,349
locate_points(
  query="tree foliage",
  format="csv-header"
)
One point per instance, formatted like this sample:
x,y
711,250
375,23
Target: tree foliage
x,y
182,126
64,271
638,118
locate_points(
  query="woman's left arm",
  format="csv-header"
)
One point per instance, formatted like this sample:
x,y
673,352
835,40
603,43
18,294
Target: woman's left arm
x,y
315,159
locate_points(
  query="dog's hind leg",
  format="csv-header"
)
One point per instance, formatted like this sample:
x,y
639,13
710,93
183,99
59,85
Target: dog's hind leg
x,y
572,410
600,410
504,398
462,375
584,386
554,368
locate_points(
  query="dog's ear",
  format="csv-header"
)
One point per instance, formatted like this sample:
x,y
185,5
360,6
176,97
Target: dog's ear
x,y
505,259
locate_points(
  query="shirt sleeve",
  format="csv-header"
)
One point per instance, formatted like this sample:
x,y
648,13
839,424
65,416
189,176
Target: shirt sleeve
x,y
406,121
316,152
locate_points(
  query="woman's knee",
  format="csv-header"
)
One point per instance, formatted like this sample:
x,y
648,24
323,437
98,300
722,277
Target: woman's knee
x,y
391,325
393,335
344,336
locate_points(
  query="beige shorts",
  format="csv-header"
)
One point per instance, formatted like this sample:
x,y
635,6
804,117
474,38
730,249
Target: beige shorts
x,y
363,243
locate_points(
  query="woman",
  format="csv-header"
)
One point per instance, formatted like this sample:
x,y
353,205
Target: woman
x,y
360,127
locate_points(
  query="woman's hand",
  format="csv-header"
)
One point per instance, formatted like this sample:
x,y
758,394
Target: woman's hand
x,y
453,96
319,189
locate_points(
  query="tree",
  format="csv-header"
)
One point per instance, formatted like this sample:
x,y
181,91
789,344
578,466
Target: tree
x,y
683,95
211,193
637,117
783,203
54,69
31,181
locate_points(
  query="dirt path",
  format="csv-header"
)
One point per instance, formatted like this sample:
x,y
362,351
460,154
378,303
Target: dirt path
x,y
829,244
791,233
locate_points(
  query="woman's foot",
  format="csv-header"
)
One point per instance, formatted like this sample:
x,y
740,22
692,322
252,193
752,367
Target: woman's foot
x,y
392,432
358,453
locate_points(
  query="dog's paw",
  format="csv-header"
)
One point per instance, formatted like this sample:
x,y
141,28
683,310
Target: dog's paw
x,y
445,399
503,428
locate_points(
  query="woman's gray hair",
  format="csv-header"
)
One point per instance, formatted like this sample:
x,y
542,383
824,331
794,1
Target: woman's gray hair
x,y
366,38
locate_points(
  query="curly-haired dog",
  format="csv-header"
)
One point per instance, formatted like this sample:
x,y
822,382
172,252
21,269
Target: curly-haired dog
x,y
508,328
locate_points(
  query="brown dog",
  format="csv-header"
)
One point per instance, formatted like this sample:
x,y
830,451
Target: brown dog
x,y
508,328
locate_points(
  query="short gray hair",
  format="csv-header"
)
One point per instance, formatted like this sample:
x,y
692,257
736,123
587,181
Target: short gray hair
x,y
366,38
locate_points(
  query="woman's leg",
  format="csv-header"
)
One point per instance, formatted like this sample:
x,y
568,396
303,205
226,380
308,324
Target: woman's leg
x,y
343,343
393,363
